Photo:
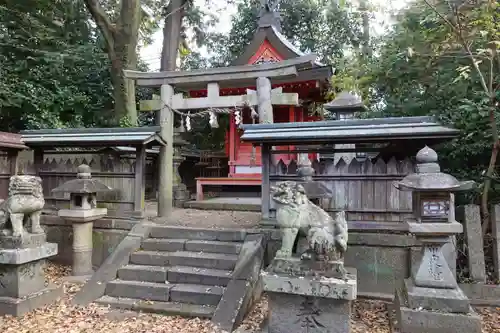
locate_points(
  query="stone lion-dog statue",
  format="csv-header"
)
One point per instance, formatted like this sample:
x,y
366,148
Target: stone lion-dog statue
x,y
296,214
23,206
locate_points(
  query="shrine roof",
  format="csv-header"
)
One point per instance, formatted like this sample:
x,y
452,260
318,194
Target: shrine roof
x,y
11,141
94,137
278,41
345,101
350,131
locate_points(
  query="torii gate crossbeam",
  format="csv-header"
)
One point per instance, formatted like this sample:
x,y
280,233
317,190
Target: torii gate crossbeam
x,y
212,78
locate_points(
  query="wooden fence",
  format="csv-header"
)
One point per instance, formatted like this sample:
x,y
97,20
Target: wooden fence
x,y
364,189
4,176
117,173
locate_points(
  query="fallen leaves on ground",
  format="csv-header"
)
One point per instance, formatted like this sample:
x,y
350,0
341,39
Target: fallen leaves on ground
x,y
491,319
369,316
253,321
63,317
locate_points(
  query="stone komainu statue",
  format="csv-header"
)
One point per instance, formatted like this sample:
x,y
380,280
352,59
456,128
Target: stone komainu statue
x,y
24,205
297,214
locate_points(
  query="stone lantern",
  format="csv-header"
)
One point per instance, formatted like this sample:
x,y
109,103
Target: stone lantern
x,y
81,214
430,299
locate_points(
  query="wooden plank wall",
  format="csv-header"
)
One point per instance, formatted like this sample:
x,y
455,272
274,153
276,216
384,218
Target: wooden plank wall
x,y
116,172
362,188
4,176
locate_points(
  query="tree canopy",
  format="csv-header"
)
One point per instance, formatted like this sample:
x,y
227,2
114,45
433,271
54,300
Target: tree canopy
x,y
53,71
422,68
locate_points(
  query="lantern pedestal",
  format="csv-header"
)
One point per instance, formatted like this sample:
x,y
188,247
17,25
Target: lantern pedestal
x,y
431,300
180,191
82,221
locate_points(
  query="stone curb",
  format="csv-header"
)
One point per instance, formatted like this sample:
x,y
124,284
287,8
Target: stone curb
x,y
482,294
96,286
240,290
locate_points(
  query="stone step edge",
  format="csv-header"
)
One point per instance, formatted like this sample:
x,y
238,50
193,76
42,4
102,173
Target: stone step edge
x,y
229,243
183,228
212,272
184,287
168,308
185,243
198,255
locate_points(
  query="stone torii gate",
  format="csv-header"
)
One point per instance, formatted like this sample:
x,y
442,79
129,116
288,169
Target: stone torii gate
x,y
243,76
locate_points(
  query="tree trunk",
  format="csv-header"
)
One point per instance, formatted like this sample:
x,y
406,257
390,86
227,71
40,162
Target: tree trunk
x,y
365,39
123,94
489,172
171,39
121,45
172,34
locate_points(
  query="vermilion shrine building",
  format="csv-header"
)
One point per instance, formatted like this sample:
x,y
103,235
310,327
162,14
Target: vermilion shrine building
x,y
268,45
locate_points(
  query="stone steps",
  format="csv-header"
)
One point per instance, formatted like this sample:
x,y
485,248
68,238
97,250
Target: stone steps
x,y
170,245
179,271
175,274
168,308
222,235
165,292
185,258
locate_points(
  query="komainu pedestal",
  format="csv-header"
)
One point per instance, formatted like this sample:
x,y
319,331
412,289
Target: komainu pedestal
x,y
309,302
309,289
23,252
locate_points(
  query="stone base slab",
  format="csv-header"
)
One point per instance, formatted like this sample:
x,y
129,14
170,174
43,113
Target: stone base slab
x,y
408,320
22,256
19,281
322,287
19,306
444,300
305,314
26,241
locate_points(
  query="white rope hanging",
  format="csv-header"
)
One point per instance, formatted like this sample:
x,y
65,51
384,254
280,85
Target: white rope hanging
x,y
188,122
254,116
237,117
213,120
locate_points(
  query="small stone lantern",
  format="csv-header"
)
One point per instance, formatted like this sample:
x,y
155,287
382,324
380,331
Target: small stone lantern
x,y
81,214
431,299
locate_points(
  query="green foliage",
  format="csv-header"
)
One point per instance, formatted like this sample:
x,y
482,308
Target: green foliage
x,y
53,72
319,26
422,68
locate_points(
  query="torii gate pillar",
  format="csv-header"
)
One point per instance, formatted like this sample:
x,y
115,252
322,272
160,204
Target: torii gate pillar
x,y
166,158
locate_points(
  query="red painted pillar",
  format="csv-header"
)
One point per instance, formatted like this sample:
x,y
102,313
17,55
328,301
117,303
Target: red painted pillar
x,y
291,119
232,144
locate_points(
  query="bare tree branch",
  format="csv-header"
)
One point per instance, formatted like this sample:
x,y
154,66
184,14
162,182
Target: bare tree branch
x,y
465,45
103,22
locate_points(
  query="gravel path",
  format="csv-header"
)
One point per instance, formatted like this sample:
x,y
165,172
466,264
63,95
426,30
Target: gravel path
x,y
210,218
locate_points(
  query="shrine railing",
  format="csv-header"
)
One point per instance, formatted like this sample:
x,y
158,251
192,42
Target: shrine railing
x,y
363,188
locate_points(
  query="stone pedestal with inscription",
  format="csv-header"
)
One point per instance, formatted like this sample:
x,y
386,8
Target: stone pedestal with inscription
x,y
430,300
22,281
180,191
304,300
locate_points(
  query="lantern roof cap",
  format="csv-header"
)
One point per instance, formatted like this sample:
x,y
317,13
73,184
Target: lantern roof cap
x,y
83,183
428,176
